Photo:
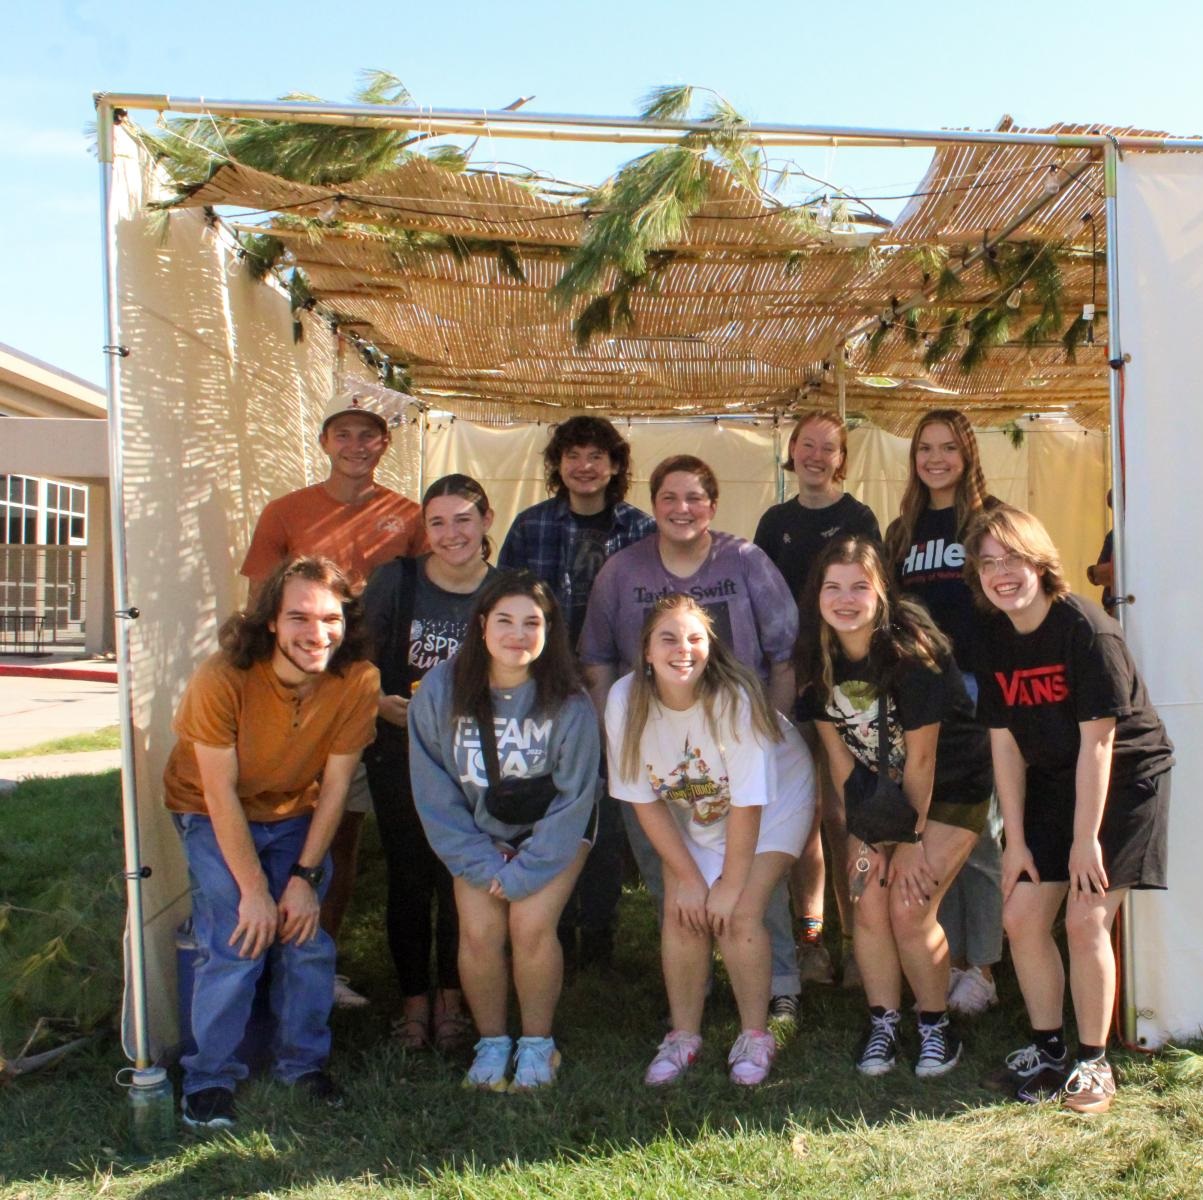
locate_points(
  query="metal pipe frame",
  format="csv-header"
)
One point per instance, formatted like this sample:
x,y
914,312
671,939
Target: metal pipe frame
x,y
570,126
532,126
124,612
1119,586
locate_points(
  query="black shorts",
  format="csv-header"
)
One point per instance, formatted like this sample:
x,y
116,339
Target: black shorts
x,y
1132,836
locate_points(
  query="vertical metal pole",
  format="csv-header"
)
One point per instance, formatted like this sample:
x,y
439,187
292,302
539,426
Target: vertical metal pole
x,y
778,470
1119,583
422,419
124,612
840,381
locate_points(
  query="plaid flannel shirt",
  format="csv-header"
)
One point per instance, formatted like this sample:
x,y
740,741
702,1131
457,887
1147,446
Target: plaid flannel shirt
x,y
543,540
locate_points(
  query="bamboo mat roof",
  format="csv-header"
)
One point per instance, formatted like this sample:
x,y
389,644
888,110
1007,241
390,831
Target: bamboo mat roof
x,y
747,311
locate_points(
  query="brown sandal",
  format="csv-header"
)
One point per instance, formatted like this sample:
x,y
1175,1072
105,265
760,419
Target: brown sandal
x,y
412,1032
452,1032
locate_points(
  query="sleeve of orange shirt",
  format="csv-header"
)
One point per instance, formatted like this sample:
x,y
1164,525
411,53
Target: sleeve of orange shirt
x,y
357,729
208,713
269,545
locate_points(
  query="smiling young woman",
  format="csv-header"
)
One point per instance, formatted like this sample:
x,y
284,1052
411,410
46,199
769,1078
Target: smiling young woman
x,y
723,787
1082,766
863,648
504,752
417,611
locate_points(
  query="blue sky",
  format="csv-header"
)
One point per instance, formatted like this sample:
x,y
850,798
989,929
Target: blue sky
x,y
874,64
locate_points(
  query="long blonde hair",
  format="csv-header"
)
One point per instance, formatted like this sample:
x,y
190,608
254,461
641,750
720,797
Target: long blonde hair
x,y
971,495
724,678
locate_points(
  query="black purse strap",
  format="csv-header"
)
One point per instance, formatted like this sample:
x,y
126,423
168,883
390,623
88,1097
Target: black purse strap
x,y
883,734
488,741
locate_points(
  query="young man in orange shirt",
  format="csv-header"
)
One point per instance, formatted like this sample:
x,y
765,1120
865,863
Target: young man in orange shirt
x,y
359,524
270,730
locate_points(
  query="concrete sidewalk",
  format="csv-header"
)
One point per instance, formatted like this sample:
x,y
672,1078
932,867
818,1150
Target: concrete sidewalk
x,y
54,766
39,708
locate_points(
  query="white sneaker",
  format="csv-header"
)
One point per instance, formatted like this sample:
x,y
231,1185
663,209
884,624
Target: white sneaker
x,y
972,993
345,996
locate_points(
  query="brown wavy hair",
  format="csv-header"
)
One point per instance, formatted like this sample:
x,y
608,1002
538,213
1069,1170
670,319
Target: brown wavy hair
x,y
971,495
903,629
588,431
824,416
554,671
724,680
247,639
1020,533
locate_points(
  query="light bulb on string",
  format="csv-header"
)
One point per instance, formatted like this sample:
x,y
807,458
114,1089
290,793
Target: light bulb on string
x,y
823,214
1015,299
288,258
1052,184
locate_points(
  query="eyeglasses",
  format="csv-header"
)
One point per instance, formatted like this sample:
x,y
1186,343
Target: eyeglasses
x,y
1008,562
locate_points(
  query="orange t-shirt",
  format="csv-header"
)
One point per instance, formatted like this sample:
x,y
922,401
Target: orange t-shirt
x,y
358,537
282,742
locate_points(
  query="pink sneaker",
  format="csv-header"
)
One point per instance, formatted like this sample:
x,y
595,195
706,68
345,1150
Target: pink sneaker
x,y
751,1057
674,1056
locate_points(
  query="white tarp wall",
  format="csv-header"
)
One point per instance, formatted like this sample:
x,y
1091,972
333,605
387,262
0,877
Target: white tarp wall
x,y
1160,245
1058,472
222,412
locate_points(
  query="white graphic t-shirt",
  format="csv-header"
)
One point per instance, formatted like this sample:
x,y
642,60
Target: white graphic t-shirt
x,y
700,778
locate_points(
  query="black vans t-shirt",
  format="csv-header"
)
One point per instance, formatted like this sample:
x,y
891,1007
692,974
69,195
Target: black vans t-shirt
x,y
1075,667
917,698
793,536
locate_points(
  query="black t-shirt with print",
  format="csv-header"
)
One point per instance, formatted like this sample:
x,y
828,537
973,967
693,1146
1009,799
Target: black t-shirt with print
x,y
592,532
931,570
917,697
793,536
1074,667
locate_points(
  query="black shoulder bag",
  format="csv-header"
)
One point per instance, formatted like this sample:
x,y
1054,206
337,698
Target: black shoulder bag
x,y
512,801
875,807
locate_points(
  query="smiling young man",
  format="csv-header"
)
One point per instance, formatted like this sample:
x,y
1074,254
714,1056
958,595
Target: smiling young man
x,y
565,541
358,524
270,730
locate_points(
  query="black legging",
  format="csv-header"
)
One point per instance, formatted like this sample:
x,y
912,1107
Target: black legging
x,y
416,876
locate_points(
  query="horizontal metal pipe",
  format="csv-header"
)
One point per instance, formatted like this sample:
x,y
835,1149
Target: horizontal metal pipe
x,y
559,125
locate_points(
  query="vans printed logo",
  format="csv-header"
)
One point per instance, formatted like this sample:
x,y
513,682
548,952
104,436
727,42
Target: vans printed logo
x,y
1033,686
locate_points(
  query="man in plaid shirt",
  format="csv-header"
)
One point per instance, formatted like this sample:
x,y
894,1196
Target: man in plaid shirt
x,y
565,541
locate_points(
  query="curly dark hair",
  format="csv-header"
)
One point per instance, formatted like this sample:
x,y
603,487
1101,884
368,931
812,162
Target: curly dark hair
x,y
554,671
247,639
588,431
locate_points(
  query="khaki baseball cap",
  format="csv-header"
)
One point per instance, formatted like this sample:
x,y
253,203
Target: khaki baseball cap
x,y
361,401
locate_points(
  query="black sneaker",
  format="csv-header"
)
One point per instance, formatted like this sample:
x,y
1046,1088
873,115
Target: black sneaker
x,y
939,1049
1024,1065
1045,1084
320,1088
210,1108
879,1050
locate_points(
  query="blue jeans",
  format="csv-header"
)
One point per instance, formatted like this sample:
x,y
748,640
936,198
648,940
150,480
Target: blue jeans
x,y
302,977
786,980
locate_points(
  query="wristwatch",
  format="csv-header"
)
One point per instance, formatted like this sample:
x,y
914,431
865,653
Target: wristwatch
x,y
311,875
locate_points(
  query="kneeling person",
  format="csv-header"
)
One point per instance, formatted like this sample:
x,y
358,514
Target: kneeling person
x,y
270,732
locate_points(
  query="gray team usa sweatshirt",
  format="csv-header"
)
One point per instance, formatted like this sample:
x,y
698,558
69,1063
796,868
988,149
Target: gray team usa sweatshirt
x,y
449,780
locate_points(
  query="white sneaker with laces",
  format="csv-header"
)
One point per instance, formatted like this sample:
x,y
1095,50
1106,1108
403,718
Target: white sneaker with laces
x,y
972,993
345,996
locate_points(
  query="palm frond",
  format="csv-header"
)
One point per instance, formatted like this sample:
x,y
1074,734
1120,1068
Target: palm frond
x,y
669,102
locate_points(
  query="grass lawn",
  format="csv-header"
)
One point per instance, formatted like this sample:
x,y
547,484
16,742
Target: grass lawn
x,y
108,738
409,1129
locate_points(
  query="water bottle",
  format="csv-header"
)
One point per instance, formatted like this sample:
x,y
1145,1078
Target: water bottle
x,y
151,1112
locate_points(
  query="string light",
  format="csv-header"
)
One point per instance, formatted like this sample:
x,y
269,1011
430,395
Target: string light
x,y
1052,184
1015,299
823,214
